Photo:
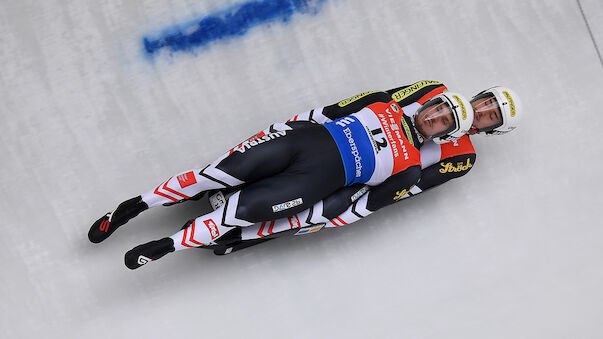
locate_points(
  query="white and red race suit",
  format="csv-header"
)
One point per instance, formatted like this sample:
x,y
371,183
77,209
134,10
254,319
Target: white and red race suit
x,y
328,166
440,163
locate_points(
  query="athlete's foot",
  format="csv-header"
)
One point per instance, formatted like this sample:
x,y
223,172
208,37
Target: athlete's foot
x,y
108,223
150,251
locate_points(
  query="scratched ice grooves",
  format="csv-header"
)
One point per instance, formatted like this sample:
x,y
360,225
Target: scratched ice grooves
x,y
228,23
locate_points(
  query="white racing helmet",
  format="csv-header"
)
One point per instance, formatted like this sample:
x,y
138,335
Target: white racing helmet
x,y
462,116
510,109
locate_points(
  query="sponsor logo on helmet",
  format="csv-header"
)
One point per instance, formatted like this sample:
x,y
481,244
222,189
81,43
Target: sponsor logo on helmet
x,y
511,102
287,205
354,98
450,168
414,88
462,105
213,229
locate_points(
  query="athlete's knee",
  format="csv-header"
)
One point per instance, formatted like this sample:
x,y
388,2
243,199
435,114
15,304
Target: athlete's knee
x,y
258,210
248,211
255,207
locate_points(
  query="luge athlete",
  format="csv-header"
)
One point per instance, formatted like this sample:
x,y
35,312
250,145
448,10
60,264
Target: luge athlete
x,y
288,168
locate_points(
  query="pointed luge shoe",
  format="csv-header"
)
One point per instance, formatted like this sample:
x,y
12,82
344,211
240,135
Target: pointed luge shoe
x,y
151,251
107,224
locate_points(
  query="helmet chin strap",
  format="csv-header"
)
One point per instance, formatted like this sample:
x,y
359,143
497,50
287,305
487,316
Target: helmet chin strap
x,y
420,135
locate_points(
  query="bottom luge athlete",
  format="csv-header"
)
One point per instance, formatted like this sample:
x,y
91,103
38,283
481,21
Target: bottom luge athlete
x,y
328,166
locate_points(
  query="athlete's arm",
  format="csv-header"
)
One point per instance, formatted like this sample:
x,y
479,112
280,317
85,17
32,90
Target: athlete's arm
x,y
447,169
345,107
444,162
443,171
420,92
394,190
388,192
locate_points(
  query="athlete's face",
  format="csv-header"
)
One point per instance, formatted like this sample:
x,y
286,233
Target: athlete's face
x,y
486,114
434,120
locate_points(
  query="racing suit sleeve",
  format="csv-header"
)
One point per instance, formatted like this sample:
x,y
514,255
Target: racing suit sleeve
x,y
387,193
443,171
345,107
393,190
420,92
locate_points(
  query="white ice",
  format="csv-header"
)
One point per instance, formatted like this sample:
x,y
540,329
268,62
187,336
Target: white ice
x,y
512,250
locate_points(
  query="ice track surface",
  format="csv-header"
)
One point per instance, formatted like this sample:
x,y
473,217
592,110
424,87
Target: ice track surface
x,y
88,119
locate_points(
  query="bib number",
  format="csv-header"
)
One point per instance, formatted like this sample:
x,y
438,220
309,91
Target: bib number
x,y
381,143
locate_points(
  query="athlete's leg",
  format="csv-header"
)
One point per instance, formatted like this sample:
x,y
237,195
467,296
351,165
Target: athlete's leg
x,y
213,229
203,230
222,226
261,156
188,185
310,178
316,172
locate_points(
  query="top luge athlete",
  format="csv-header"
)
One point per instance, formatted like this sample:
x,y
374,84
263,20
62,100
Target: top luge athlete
x,y
338,162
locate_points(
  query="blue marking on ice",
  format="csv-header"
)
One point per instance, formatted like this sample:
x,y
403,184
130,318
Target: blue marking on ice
x,y
228,23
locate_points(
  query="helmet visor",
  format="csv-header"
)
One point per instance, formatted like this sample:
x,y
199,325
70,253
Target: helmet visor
x,y
486,112
435,119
